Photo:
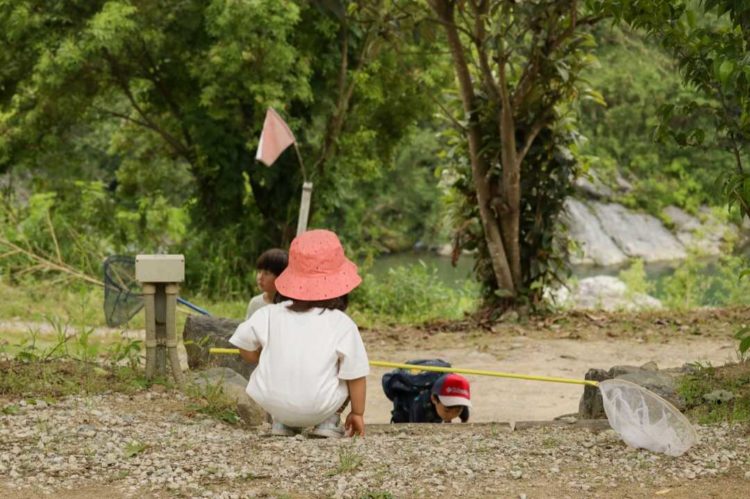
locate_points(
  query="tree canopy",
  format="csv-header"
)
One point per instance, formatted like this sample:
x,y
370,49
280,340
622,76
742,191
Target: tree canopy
x,y
131,126
709,41
180,88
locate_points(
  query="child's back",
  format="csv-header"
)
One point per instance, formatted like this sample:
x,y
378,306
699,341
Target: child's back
x,y
299,378
310,356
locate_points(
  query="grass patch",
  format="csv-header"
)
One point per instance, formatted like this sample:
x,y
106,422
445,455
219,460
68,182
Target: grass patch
x,y
210,399
697,390
37,300
348,461
58,378
411,295
405,295
10,410
134,448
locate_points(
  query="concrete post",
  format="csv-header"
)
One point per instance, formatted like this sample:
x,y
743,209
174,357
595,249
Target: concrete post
x,y
171,292
148,300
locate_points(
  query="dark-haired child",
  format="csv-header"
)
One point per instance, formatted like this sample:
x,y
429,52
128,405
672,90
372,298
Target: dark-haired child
x,y
270,264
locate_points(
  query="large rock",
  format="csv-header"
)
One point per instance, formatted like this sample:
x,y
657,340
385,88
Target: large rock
x,y
706,235
233,385
602,292
596,246
591,405
592,187
203,332
610,234
662,383
638,235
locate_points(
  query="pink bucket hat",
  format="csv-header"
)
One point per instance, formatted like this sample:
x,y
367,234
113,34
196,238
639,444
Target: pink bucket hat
x,y
318,268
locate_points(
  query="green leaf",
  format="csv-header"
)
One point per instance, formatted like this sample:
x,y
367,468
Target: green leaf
x,y
595,96
690,15
10,410
725,71
744,345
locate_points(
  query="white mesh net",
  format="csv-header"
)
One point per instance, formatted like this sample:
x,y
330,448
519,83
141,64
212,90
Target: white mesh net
x,y
644,419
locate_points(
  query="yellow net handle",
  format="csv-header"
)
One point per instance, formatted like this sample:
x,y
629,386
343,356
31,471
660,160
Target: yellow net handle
x,y
477,372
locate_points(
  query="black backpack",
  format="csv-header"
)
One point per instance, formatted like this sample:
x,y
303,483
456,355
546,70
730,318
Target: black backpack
x,y
403,386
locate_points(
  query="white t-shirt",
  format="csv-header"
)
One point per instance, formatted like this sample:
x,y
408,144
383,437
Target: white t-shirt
x,y
256,303
305,362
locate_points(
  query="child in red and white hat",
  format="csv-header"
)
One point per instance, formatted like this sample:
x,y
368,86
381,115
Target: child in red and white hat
x,y
449,398
310,355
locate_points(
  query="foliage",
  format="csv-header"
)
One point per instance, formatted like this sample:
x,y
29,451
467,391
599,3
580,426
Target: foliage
x,y
349,461
163,104
635,78
708,39
410,295
743,335
518,65
388,219
133,448
732,378
210,399
634,278
704,282
77,225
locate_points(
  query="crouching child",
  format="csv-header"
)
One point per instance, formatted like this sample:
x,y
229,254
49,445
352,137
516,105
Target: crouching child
x,y
449,398
311,359
426,396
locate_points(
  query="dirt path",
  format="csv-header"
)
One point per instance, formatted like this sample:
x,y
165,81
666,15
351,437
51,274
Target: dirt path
x,y
558,345
500,399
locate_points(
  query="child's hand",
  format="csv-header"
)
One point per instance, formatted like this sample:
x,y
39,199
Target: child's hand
x,y
355,425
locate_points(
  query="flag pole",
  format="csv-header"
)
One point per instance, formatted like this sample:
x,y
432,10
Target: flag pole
x,y
304,205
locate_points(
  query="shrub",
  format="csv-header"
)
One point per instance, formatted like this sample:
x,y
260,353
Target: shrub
x,y
411,294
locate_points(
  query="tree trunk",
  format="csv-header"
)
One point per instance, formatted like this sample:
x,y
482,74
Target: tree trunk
x,y
511,188
479,168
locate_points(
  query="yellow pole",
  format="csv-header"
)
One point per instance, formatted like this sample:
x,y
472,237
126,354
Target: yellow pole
x,y
478,372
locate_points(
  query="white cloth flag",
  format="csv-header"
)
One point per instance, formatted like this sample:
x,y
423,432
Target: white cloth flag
x,y
275,137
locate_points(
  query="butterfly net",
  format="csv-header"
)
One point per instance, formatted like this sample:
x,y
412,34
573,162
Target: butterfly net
x,y
644,419
122,293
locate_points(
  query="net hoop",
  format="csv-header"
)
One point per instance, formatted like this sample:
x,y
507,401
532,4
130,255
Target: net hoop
x,y
122,293
645,420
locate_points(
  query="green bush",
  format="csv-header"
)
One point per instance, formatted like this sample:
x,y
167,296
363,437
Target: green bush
x,y
635,279
702,282
409,295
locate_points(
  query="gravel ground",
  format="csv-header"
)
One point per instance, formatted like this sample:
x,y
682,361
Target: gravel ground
x,y
148,445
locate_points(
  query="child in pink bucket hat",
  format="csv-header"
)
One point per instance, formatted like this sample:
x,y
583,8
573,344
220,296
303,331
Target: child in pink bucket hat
x,y
310,355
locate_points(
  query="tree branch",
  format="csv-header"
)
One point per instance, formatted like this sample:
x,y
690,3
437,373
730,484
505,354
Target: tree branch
x,y
166,94
370,46
479,41
43,262
532,67
178,147
123,116
533,132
